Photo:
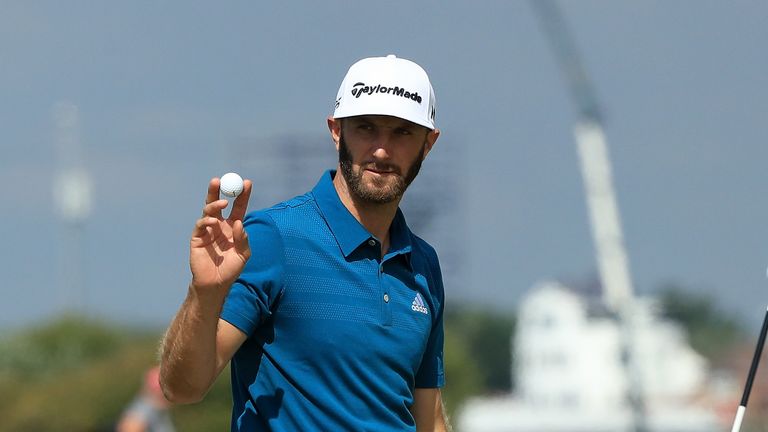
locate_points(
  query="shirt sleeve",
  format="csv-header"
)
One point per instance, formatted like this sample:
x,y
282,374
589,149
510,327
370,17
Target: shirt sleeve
x,y
431,373
252,296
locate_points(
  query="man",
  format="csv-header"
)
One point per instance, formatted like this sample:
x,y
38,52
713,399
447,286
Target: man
x,y
149,410
328,307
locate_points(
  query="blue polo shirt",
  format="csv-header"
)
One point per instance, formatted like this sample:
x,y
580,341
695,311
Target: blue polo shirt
x,y
338,338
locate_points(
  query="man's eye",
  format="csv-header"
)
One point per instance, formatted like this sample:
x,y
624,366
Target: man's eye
x,y
365,127
402,131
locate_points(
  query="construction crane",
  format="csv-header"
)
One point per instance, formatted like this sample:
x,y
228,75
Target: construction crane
x,y
604,216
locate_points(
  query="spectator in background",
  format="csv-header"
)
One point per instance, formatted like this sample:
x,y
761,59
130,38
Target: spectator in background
x,y
149,410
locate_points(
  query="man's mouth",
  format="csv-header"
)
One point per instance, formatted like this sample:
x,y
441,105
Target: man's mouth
x,y
381,170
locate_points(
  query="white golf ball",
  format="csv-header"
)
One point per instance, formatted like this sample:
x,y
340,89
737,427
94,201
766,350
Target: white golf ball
x,y
231,184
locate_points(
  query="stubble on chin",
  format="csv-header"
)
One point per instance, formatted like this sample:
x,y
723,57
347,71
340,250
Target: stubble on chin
x,y
377,189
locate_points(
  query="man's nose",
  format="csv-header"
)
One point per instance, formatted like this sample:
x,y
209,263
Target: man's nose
x,y
382,145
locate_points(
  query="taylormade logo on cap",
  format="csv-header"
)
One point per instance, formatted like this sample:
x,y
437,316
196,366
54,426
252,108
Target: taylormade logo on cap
x,y
361,89
387,86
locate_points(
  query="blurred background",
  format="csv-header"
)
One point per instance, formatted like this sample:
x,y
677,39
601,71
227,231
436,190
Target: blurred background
x,y
114,116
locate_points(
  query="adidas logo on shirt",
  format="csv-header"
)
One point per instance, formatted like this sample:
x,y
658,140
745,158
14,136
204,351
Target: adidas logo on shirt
x,y
418,305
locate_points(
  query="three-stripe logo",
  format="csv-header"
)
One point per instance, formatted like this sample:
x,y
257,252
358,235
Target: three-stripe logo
x,y
418,305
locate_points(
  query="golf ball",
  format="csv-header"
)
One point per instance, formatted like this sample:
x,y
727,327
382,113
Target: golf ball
x,y
231,184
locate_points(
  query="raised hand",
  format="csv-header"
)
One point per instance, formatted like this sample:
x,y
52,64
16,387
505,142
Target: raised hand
x,y
219,247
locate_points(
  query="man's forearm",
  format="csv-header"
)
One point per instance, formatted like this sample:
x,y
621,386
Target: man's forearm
x,y
446,425
188,351
429,412
442,423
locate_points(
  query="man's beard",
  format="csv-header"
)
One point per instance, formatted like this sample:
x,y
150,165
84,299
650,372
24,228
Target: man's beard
x,y
384,189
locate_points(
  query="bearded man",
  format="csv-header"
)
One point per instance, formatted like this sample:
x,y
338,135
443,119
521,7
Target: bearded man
x,y
327,306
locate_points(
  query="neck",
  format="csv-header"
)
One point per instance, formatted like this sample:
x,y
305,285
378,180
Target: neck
x,y
376,218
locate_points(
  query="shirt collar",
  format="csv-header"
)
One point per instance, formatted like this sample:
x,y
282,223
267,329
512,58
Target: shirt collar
x,y
399,235
347,230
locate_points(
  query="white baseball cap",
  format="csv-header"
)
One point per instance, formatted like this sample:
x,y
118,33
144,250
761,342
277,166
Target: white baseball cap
x,y
387,86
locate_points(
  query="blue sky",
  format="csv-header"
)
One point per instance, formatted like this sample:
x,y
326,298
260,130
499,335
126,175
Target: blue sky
x,y
166,89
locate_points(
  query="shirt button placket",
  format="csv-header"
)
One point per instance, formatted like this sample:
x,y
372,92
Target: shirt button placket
x,y
386,311
387,305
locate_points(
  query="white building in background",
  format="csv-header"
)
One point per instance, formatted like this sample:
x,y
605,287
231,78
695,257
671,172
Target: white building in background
x,y
570,377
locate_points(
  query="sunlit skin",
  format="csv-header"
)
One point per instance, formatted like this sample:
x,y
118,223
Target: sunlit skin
x,y
384,154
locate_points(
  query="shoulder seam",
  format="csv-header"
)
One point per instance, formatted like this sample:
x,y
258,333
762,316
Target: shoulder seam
x,y
301,200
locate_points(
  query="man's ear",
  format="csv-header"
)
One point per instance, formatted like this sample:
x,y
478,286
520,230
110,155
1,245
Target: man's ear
x,y
334,127
431,140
